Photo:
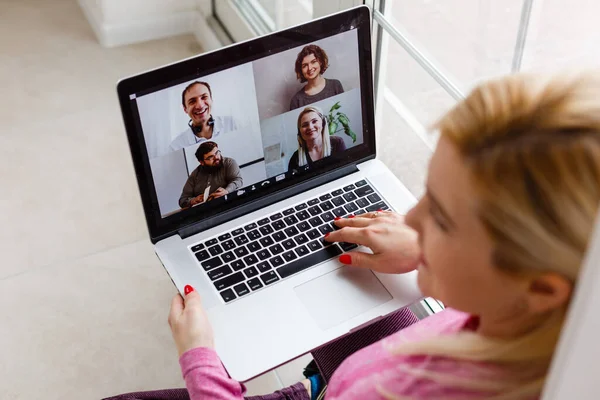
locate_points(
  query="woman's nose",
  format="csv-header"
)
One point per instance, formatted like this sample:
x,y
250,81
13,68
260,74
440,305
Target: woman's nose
x,y
412,218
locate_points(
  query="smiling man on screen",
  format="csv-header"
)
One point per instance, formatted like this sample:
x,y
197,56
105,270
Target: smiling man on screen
x,y
197,103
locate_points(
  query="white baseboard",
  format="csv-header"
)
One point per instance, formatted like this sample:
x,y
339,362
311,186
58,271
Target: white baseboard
x,y
141,30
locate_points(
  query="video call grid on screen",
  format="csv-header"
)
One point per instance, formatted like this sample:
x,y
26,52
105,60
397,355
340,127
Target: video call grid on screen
x,y
254,108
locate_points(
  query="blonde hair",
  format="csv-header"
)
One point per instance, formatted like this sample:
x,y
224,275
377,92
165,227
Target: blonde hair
x,y
324,135
532,147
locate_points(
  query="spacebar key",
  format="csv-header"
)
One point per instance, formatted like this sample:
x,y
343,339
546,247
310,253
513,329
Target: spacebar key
x,y
309,261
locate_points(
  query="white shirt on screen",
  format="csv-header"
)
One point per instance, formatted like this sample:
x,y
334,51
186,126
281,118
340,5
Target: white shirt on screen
x,y
187,137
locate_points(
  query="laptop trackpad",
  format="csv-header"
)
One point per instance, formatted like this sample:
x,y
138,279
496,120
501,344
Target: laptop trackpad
x,y
340,295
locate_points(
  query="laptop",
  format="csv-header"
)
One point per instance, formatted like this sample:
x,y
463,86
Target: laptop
x,y
244,157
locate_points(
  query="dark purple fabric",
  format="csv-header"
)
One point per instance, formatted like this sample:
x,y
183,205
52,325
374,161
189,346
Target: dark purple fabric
x,y
164,394
328,357
295,392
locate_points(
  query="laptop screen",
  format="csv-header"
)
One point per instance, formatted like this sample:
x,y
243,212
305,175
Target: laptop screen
x,y
213,140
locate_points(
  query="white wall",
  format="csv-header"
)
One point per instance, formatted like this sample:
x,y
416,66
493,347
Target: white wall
x,y
120,22
122,10
253,174
322,8
169,174
562,35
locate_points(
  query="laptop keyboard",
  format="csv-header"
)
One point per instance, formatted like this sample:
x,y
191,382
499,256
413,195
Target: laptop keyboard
x,y
283,244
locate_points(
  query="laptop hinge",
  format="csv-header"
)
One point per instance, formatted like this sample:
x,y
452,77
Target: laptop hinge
x,y
193,229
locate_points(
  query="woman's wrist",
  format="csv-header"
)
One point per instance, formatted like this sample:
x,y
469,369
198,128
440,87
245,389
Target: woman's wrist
x,y
185,347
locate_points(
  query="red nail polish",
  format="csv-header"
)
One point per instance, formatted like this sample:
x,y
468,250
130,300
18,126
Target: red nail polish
x,y
337,218
188,289
380,210
327,234
345,259
351,216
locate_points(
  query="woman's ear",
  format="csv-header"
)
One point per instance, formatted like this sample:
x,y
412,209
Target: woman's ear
x,y
548,292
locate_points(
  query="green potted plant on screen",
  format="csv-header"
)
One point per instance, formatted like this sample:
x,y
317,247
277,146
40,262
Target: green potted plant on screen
x,y
339,121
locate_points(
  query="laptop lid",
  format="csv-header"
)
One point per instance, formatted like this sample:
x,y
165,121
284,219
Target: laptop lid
x,y
224,133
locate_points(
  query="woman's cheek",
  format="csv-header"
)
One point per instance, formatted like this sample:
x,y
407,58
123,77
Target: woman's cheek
x,y
433,256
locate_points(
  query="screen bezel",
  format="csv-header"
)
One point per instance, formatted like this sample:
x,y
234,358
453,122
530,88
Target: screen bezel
x,y
194,68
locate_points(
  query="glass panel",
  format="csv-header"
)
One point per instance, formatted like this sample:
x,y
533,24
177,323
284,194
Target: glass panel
x,y
471,39
563,35
270,15
404,153
412,102
287,13
413,87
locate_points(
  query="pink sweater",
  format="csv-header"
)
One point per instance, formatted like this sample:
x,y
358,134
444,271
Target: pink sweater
x,y
370,373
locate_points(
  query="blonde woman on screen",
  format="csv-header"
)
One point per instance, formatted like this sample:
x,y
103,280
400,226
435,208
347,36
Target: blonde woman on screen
x,y
314,141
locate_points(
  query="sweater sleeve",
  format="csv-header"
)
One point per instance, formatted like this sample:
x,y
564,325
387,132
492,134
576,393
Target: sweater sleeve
x,y
234,177
339,89
187,193
206,378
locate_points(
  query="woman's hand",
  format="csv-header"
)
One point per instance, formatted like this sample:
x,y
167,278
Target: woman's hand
x,y
188,322
395,245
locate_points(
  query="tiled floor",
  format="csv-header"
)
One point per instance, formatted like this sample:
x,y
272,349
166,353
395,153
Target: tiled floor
x,y
66,173
84,298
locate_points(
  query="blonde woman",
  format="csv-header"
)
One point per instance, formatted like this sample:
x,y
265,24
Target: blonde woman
x,y
512,192
314,141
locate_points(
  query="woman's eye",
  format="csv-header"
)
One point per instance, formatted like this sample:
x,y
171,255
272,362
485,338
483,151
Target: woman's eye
x,y
437,220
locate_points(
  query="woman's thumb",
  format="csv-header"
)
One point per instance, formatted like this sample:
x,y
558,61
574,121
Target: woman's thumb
x,y
188,289
191,295
357,259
